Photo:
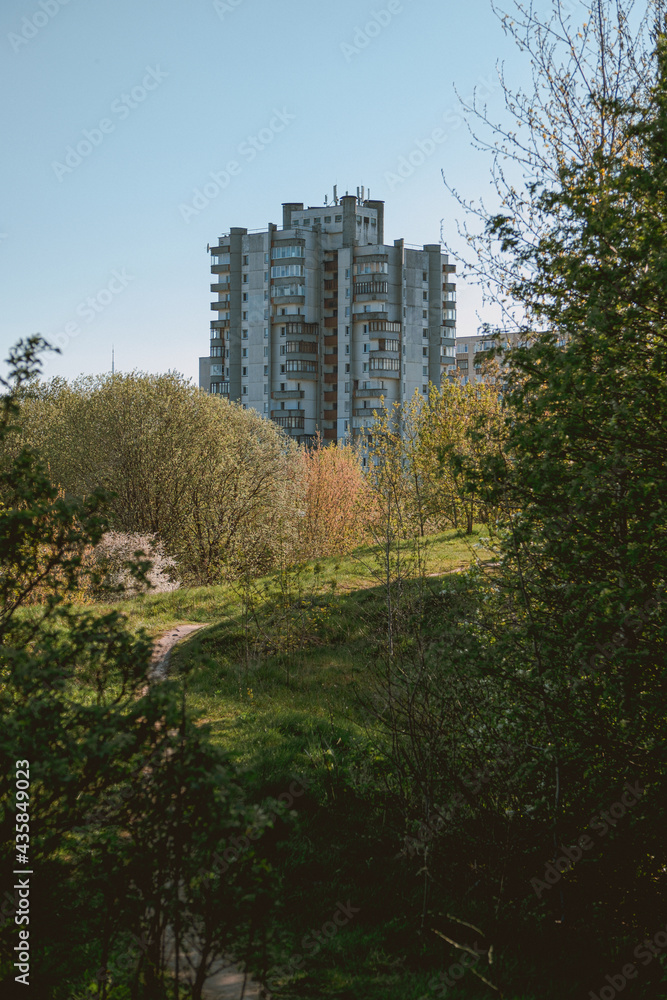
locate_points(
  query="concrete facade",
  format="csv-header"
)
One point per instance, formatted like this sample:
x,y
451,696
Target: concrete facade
x,y
319,321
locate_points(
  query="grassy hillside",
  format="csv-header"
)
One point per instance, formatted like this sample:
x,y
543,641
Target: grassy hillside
x,y
284,675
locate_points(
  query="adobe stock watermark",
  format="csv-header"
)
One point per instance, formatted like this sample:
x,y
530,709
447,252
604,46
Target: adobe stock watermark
x,y
311,944
632,621
91,307
121,108
443,814
645,953
223,7
251,146
439,985
425,148
32,25
363,36
601,823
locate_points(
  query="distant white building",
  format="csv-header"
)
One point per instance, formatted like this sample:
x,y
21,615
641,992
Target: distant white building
x,y
319,320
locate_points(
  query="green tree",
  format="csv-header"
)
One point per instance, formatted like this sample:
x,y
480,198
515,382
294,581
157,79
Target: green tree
x,y
128,800
218,485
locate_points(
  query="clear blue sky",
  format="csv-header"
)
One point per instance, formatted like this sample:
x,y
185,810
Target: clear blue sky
x,y
102,246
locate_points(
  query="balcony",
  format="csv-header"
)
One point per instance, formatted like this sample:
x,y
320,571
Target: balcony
x,y
220,268
368,317
331,340
330,415
383,326
220,324
288,420
371,288
220,286
330,285
385,354
370,393
331,378
329,434
218,306
330,397
301,347
449,323
331,322
288,394
368,411
331,265
330,303
307,329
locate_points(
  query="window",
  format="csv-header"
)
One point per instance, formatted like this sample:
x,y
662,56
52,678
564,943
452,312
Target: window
x,y
266,407
385,365
365,348
424,314
282,331
306,222
266,295
347,310
365,366
374,222
347,387
347,369
266,276
280,291
425,370
244,390
425,296
347,348
347,407
327,218
245,279
266,258
216,370
282,372
244,352
316,222
425,389
282,348
338,218
244,372
216,351
245,260
358,220
266,352
288,250
266,331
245,296
301,366
245,315
287,271
347,293
371,267
365,327
222,257
244,334
347,331
462,349
424,276
425,351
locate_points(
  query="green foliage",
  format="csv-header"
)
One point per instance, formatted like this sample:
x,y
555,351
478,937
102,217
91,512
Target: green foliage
x,y
217,484
130,805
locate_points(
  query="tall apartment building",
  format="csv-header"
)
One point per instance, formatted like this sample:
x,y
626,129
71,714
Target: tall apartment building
x,y
318,322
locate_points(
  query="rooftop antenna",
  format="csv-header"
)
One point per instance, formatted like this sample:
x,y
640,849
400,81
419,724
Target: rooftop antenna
x,y
357,196
335,194
362,194
326,197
